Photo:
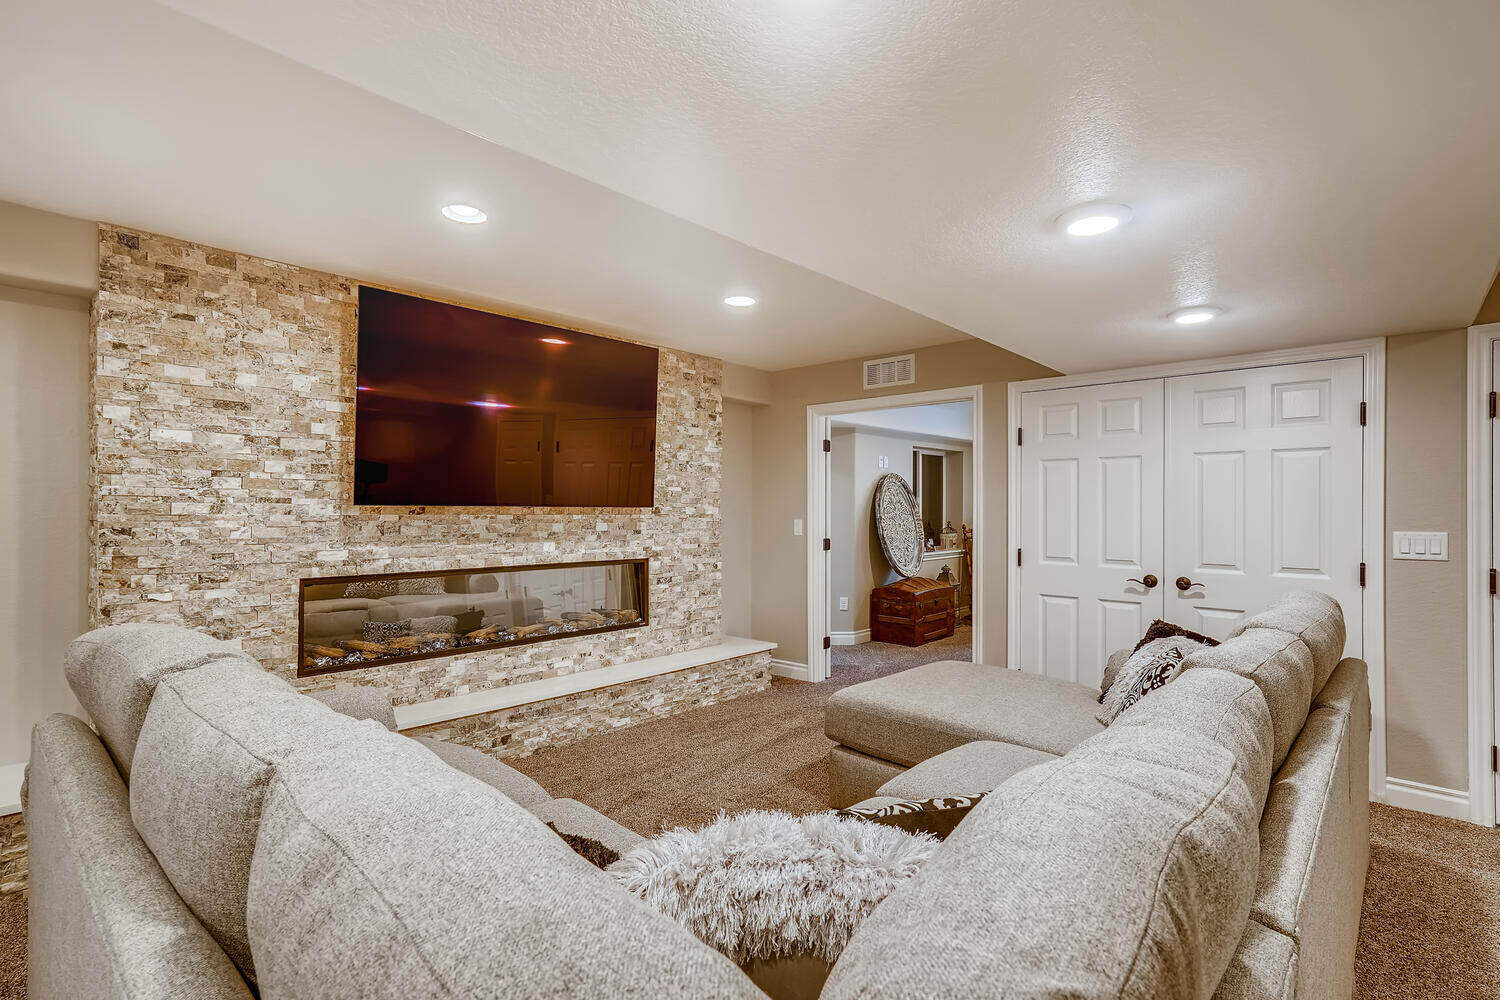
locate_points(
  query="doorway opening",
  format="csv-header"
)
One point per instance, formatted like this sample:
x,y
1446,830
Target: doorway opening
x,y
858,624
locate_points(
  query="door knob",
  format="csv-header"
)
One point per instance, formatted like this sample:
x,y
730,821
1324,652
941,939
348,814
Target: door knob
x,y
1149,582
1183,583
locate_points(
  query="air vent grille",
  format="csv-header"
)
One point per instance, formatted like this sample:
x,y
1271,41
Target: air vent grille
x,y
882,372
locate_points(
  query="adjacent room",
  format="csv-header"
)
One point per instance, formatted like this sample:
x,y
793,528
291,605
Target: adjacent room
x,y
787,500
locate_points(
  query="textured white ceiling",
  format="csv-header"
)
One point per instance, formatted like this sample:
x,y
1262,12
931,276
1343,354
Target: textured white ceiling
x,y
1321,170
133,113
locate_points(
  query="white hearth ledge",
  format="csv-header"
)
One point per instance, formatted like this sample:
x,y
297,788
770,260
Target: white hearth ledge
x,y
427,713
10,787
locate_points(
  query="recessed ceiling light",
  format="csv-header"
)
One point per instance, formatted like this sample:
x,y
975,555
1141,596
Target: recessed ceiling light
x,y
363,388
1093,220
489,404
1193,315
467,214
739,301
555,340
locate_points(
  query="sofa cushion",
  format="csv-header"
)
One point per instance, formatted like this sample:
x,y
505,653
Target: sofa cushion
x,y
505,779
1132,861
853,776
1264,967
105,922
572,816
210,743
114,671
379,873
1315,618
919,713
1282,667
973,767
1225,707
359,702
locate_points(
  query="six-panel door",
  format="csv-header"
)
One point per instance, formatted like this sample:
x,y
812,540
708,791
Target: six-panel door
x,y
1091,480
1228,488
1264,492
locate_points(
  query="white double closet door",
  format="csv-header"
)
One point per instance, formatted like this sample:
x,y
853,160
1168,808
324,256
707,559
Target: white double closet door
x,y
1197,499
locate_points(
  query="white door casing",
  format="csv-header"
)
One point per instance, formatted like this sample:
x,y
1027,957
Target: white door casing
x,y
1263,492
1091,526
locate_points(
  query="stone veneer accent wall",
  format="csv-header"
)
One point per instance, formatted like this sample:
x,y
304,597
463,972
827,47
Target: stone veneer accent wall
x,y
223,451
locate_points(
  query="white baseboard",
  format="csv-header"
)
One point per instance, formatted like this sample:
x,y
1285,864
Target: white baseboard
x,y
10,787
850,638
787,668
1432,799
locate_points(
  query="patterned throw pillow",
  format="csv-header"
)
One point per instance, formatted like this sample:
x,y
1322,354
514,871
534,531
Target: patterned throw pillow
x,y
938,816
1148,668
381,631
420,586
595,853
1166,630
371,589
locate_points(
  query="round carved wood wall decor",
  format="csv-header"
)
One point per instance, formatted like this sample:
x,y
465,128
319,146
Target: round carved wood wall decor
x,y
897,524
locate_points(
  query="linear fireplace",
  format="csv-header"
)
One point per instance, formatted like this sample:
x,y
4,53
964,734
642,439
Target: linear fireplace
x,y
348,622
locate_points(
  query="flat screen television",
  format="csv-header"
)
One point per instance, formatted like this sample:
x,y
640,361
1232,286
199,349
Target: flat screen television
x,y
457,407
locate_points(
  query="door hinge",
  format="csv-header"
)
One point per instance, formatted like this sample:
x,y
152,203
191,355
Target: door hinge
x,y
827,445
1018,557
827,642
1362,413
1018,437
558,447
1494,583
827,544
1361,574
1495,759
1493,402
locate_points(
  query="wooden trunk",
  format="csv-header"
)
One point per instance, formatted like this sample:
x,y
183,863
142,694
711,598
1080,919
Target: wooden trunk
x,y
912,612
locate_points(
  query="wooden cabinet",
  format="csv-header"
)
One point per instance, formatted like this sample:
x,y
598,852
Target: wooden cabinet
x,y
912,612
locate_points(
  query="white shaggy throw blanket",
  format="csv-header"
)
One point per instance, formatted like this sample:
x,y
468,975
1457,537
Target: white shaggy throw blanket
x,y
764,884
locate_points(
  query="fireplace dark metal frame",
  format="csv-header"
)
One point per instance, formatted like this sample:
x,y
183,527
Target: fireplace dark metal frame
x,y
641,565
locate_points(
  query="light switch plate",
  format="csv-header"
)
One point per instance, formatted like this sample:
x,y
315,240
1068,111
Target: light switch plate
x,y
796,525
1427,545
843,604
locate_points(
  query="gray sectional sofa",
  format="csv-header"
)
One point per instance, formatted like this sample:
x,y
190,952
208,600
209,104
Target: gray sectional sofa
x,y
1240,790
221,833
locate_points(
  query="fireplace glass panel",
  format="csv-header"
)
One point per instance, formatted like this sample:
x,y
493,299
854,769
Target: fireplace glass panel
x,y
362,621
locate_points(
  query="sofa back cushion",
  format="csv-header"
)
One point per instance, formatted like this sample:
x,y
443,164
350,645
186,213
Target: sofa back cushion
x,y
1224,707
1315,618
114,672
211,741
1282,667
381,873
1125,869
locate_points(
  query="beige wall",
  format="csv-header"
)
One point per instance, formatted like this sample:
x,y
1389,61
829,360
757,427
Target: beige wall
x,y
779,605
47,252
44,456
736,507
1426,674
1489,310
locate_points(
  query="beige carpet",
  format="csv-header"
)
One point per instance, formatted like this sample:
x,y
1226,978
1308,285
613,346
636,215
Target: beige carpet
x,y
1431,922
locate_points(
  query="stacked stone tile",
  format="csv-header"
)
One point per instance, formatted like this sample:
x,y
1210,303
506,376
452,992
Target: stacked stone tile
x,y
222,464
13,864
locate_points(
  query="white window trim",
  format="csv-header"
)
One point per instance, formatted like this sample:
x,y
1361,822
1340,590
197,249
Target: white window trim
x,y
1373,352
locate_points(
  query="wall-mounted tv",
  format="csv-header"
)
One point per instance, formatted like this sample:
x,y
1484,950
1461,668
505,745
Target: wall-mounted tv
x,y
457,407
